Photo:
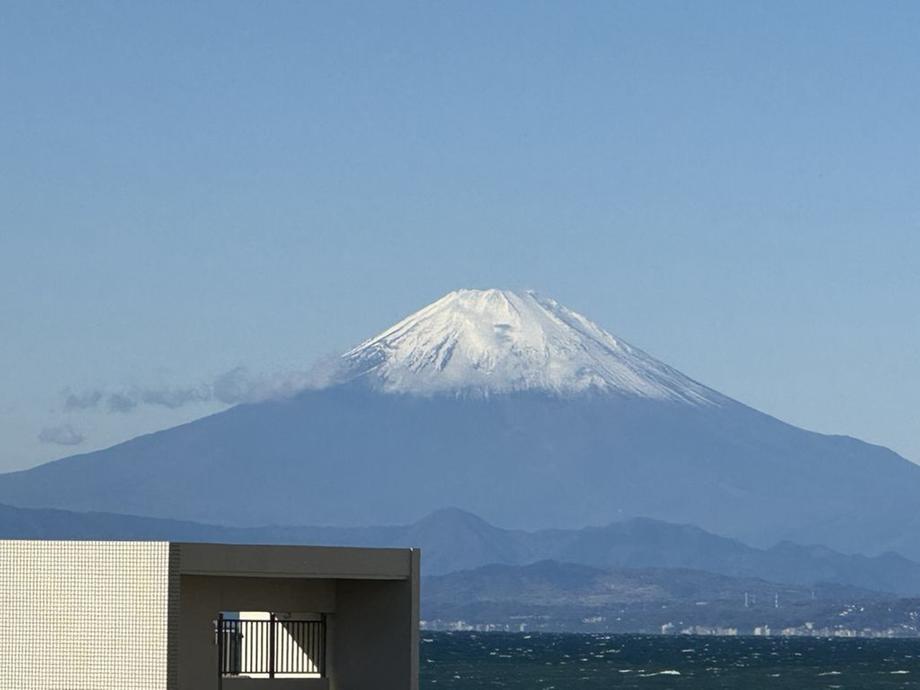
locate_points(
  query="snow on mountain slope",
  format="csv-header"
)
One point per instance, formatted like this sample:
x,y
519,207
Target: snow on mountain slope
x,y
485,342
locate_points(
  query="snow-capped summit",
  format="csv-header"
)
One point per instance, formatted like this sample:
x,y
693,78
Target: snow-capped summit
x,y
485,342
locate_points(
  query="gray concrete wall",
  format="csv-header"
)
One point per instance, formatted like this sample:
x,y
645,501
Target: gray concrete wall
x,y
203,597
293,561
376,633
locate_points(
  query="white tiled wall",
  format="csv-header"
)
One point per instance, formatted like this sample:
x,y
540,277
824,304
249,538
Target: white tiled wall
x,y
84,615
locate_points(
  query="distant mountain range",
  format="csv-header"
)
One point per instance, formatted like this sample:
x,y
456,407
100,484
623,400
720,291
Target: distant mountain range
x,y
551,583
556,596
515,408
452,540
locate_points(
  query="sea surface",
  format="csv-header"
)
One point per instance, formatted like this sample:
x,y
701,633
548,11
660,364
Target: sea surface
x,y
470,661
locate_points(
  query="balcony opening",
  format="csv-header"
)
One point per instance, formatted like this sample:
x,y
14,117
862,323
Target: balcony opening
x,y
263,644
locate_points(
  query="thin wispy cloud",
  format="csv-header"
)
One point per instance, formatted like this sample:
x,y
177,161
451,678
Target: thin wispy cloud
x,y
119,402
63,435
234,387
81,401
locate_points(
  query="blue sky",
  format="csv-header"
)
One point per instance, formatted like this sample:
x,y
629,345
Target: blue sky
x,y
191,188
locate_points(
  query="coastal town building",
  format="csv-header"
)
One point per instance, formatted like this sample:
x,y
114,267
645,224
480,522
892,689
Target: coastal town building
x,y
107,615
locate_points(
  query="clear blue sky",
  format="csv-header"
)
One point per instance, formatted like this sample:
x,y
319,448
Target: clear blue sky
x,y
188,187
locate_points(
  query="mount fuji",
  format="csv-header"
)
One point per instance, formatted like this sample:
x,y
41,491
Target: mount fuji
x,y
515,408
486,342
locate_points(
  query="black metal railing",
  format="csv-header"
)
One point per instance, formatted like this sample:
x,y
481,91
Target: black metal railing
x,y
273,647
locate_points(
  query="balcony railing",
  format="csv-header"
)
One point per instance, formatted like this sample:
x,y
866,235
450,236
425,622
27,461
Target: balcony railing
x,y
270,648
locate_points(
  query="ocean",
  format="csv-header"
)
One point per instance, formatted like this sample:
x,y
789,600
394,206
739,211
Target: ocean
x,y
546,661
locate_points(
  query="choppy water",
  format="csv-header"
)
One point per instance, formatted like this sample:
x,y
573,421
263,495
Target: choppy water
x,y
469,661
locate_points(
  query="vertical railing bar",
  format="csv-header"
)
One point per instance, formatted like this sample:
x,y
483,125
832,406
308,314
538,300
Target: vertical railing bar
x,y
220,649
271,645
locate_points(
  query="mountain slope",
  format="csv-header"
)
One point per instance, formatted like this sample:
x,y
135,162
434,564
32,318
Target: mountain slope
x,y
517,409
